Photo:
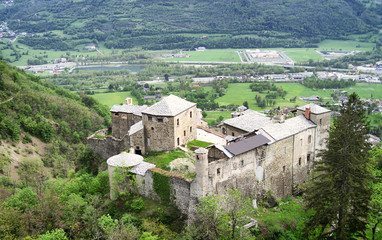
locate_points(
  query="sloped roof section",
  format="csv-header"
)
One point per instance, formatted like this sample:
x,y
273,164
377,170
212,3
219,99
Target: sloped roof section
x,y
249,121
290,127
247,144
314,108
134,109
136,128
169,106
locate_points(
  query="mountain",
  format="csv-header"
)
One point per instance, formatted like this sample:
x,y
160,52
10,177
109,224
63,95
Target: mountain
x,y
160,24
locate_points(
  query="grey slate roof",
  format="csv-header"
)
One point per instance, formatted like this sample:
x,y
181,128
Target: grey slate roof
x,y
134,109
141,168
290,127
124,160
247,144
314,108
136,128
169,106
249,121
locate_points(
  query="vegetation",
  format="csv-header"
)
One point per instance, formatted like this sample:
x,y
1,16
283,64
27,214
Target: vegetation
x,y
162,159
175,25
340,191
198,143
161,185
327,83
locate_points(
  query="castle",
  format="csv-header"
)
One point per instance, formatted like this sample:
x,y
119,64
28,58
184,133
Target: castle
x,y
262,154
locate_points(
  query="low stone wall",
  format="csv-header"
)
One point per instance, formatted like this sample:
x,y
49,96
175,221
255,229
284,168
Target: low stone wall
x,y
107,146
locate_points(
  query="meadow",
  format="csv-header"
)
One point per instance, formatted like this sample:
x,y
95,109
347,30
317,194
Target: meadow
x,y
113,98
296,54
238,93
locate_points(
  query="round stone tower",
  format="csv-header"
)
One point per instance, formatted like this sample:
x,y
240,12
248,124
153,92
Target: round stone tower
x,y
201,173
118,167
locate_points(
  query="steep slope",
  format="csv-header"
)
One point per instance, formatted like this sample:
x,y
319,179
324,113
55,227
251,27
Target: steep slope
x,y
125,24
43,122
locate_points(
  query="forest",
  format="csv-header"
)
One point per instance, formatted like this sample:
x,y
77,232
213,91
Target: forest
x,y
181,24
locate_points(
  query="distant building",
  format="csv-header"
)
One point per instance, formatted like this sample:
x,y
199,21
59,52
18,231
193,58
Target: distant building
x,y
200,49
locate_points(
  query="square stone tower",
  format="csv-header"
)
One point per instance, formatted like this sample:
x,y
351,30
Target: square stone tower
x,y
169,123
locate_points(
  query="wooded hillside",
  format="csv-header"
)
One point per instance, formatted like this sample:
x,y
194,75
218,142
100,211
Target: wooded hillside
x,y
170,24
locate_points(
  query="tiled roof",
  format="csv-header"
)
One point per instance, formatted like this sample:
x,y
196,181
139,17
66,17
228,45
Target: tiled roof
x,y
314,108
247,144
290,127
249,121
136,128
169,106
134,109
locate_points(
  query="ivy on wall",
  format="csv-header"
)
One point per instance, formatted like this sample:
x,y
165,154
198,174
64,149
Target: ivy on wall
x,y
161,185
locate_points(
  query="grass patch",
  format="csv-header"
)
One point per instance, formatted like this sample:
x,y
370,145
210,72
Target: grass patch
x,y
210,55
366,90
198,143
113,98
163,159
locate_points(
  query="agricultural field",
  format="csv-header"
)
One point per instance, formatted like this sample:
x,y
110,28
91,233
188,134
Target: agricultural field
x,y
113,98
210,55
296,54
366,91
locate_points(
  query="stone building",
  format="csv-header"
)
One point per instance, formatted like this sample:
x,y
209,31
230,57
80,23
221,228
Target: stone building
x,y
263,154
163,126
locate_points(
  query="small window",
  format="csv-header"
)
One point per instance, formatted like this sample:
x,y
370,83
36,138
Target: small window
x,y
321,121
218,171
197,157
224,131
301,142
233,134
177,122
190,129
149,118
284,150
242,163
190,114
184,132
283,169
310,139
160,120
178,141
148,142
152,128
299,161
308,158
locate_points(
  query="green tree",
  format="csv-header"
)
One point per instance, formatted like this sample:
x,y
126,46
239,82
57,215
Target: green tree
x,y
340,189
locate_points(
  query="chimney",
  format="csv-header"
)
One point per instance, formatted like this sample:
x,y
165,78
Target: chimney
x,y
129,101
307,113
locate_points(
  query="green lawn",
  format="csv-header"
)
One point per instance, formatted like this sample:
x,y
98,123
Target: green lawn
x,y
345,45
113,98
210,55
365,90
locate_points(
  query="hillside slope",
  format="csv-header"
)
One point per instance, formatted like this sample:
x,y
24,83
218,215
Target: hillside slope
x,y
43,121
172,23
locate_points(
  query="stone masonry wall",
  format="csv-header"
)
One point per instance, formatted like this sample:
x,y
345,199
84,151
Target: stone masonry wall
x,y
108,146
122,122
232,131
186,129
159,133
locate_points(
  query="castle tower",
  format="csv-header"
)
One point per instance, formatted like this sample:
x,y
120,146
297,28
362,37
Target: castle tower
x,y
200,183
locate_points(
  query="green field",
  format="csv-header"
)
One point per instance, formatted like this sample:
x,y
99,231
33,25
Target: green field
x,y
365,90
113,98
210,55
296,54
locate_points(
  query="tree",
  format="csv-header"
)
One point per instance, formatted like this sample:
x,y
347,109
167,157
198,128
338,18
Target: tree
x,y
340,189
221,217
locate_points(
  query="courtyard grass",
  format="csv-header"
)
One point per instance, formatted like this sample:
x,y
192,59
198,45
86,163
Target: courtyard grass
x,y
162,159
198,143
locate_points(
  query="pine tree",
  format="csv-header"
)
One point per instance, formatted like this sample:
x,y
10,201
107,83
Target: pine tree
x,y
340,189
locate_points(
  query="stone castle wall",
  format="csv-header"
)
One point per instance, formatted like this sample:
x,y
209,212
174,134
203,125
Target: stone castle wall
x,y
122,122
107,146
159,133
